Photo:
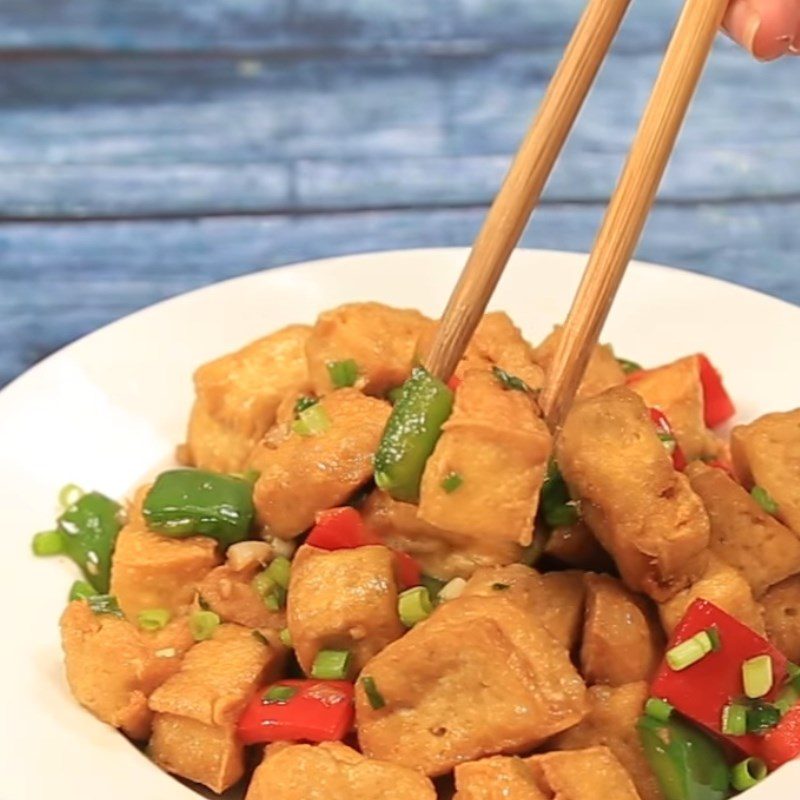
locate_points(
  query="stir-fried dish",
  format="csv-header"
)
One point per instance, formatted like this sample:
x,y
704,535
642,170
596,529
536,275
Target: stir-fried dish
x,y
372,584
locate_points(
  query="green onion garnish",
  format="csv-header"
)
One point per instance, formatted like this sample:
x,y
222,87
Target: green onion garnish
x,y
452,589
343,373
558,508
691,651
434,586
734,720
312,422
716,641
279,570
746,774
202,625
452,482
278,694
263,584
629,367
276,599
764,499
81,590
414,605
285,637
153,619
658,709
374,697
509,381
757,676
331,665
104,604
304,402
69,495
762,717
48,543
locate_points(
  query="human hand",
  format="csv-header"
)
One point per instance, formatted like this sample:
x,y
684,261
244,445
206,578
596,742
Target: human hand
x,y
767,28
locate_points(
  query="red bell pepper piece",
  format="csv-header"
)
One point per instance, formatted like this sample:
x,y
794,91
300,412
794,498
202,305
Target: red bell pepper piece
x,y
319,711
717,403
407,570
454,383
782,743
718,463
340,529
665,429
701,691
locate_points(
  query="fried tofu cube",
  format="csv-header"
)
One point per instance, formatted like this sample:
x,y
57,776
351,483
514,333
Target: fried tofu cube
x,y
642,511
479,677
230,594
499,446
198,707
342,600
441,553
766,453
602,372
722,585
611,722
304,474
782,616
622,641
576,546
238,396
497,778
113,667
302,771
383,342
742,533
676,390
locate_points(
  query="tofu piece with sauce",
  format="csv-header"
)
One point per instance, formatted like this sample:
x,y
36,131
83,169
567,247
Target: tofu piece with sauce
x,y
238,396
381,340
497,443
113,667
577,547
479,677
782,616
498,778
342,600
643,512
335,771
196,710
303,474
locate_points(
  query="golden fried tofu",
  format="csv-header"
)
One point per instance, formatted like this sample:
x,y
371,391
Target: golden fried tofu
x,y
497,778
441,553
782,617
335,771
229,593
611,722
622,641
499,446
677,391
238,396
602,372
722,585
113,667
766,453
583,775
742,533
198,707
342,600
479,677
642,511
304,474
383,342
576,546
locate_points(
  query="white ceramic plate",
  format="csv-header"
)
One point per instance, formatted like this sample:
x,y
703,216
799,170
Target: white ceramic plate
x,y
102,412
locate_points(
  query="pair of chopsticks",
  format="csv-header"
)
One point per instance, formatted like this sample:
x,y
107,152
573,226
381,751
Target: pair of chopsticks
x,y
627,211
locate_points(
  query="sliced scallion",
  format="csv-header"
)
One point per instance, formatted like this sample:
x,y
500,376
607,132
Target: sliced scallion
x,y
716,641
734,720
153,619
452,482
746,774
81,590
629,367
48,543
312,422
762,717
689,652
452,589
374,697
658,709
279,570
343,373
331,665
764,499
757,676
202,625
414,605
285,637
304,402
104,604
434,587
276,599
278,694
69,495
509,381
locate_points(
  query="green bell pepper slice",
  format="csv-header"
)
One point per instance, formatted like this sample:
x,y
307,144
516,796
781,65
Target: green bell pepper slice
x,y
410,435
89,528
192,502
688,764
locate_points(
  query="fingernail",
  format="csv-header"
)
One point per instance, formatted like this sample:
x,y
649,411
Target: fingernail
x,y
751,27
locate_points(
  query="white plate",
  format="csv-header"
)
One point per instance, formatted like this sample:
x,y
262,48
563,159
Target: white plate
x,y
103,411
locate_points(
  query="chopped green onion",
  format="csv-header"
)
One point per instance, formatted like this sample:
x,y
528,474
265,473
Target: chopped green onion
x,y
757,676
276,599
658,709
331,665
762,717
48,543
452,482
153,619
452,589
278,694
279,570
343,373
764,499
746,774
374,697
259,637
716,641
304,402
166,652
691,651
81,590
414,605
285,637
312,422
562,516
202,625
558,508
434,586
509,381
104,604
69,495
629,367
734,720
263,584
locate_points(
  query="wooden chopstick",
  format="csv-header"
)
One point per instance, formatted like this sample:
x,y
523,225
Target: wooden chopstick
x,y
632,200
524,182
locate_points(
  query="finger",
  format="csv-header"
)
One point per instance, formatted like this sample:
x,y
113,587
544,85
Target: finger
x,y
794,48
767,28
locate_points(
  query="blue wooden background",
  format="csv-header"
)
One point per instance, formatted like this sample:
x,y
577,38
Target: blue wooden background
x,y
151,146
